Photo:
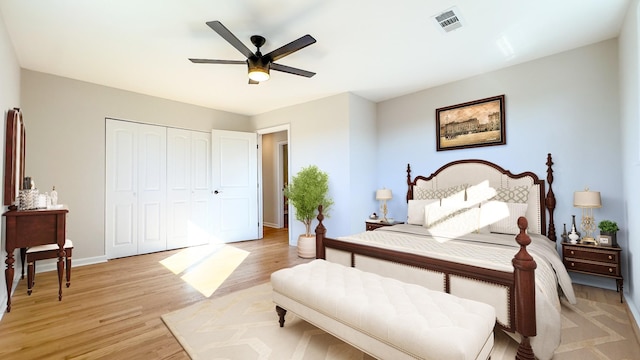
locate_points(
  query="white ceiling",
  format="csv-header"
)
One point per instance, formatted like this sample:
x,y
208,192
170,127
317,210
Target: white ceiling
x,y
377,49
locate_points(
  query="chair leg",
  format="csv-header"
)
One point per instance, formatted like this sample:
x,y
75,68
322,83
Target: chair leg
x,y
68,271
30,275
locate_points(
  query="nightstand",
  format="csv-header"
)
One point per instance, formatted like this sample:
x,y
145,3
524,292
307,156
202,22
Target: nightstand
x,y
594,260
374,224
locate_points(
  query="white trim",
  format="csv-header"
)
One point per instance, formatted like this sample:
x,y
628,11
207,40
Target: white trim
x,y
273,129
51,264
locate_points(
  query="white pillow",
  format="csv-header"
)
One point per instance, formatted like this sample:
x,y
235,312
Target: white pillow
x,y
518,194
415,213
502,217
422,193
458,220
477,194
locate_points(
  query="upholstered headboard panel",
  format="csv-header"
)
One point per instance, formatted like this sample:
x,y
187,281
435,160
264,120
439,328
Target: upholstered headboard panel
x,y
467,173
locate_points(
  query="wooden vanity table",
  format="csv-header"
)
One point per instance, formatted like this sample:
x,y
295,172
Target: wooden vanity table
x,y
28,228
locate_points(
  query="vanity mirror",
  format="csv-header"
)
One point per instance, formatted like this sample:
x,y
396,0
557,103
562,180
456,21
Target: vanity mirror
x,y
14,156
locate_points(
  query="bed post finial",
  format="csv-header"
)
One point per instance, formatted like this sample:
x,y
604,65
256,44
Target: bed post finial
x,y
524,274
320,233
550,200
410,188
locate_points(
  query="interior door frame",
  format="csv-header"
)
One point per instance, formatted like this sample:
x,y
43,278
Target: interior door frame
x,y
260,132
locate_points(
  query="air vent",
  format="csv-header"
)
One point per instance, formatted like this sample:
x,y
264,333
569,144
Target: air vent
x,y
449,20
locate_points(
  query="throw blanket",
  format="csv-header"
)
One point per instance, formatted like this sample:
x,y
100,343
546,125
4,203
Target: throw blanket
x,y
492,251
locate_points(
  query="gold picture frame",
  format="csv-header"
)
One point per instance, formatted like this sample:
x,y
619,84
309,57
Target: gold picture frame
x,y
471,124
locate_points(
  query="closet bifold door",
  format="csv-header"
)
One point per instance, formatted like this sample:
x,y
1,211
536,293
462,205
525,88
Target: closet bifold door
x,y
189,199
135,213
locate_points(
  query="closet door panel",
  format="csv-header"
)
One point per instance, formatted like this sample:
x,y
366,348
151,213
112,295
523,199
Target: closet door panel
x,y
152,188
201,194
121,214
178,187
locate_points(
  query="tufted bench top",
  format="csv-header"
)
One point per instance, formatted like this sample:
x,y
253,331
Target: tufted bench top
x,y
423,323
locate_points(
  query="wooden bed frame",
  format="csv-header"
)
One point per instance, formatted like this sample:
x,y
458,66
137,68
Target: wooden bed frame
x,y
520,282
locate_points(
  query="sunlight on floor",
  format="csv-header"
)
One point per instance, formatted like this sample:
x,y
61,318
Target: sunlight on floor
x,y
205,267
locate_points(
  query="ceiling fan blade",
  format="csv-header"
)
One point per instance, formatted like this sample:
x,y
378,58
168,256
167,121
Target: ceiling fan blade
x,y
292,70
291,47
212,61
231,39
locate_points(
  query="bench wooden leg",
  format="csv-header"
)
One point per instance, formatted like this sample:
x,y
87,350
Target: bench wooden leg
x,y
31,271
68,269
281,313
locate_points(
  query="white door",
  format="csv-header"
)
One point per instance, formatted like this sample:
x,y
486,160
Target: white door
x,y
152,188
235,185
178,187
121,216
189,195
135,188
201,194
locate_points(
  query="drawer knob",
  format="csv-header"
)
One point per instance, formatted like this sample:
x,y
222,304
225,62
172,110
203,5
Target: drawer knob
x,y
610,257
610,270
572,264
572,252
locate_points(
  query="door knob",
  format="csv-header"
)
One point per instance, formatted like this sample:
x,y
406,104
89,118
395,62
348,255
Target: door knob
x,y
216,192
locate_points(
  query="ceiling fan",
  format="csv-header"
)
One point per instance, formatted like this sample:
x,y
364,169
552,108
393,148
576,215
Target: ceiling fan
x,y
259,65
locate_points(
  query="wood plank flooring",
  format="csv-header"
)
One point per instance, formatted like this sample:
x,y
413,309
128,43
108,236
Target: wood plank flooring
x,y
112,310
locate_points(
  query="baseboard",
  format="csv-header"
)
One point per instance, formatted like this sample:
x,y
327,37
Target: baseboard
x,y
3,304
634,322
50,265
271,225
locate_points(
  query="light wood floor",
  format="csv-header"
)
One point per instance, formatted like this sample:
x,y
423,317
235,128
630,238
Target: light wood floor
x,y
112,310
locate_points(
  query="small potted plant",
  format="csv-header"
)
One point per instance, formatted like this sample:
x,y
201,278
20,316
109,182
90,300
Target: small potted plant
x,y
609,228
307,190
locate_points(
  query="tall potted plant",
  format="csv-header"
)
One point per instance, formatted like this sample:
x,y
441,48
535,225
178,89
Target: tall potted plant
x,y
308,189
609,228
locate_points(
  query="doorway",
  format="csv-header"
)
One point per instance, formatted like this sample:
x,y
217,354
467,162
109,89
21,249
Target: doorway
x,y
275,175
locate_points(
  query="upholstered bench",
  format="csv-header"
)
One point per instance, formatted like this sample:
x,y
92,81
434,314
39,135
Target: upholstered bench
x,y
384,317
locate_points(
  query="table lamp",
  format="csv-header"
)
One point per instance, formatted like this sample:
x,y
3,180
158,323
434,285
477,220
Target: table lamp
x,y
587,201
384,195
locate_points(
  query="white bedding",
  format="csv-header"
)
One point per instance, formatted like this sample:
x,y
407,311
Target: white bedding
x,y
493,251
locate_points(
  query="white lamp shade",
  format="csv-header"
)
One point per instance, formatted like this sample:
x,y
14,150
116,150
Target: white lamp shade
x,y
383,194
587,199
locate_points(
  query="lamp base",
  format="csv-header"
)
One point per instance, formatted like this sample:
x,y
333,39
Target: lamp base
x,y
589,241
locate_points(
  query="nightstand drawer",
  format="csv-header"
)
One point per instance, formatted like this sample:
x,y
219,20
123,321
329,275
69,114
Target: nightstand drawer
x,y
370,226
373,226
594,255
592,267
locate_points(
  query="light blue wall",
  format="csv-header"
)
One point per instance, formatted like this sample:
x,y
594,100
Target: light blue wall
x,y
362,157
630,130
10,90
566,105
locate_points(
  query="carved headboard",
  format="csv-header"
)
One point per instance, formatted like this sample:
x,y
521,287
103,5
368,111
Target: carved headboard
x,y
471,172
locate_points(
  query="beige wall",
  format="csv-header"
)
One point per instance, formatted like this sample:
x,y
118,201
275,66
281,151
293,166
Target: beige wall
x,y
331,133
65,121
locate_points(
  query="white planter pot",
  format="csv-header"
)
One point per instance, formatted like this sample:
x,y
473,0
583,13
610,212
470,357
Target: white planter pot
x,y
307,247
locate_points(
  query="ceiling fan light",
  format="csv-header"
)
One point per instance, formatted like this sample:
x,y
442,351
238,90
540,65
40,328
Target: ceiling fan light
x,y
259,75
258,72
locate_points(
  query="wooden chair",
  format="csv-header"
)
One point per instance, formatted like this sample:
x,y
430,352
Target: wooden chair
x,y
41,252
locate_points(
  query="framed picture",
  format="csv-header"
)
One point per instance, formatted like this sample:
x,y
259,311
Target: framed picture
x,y
471,124
604,240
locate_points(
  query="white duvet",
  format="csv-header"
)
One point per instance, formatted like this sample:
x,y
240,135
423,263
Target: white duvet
x,y
493,251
